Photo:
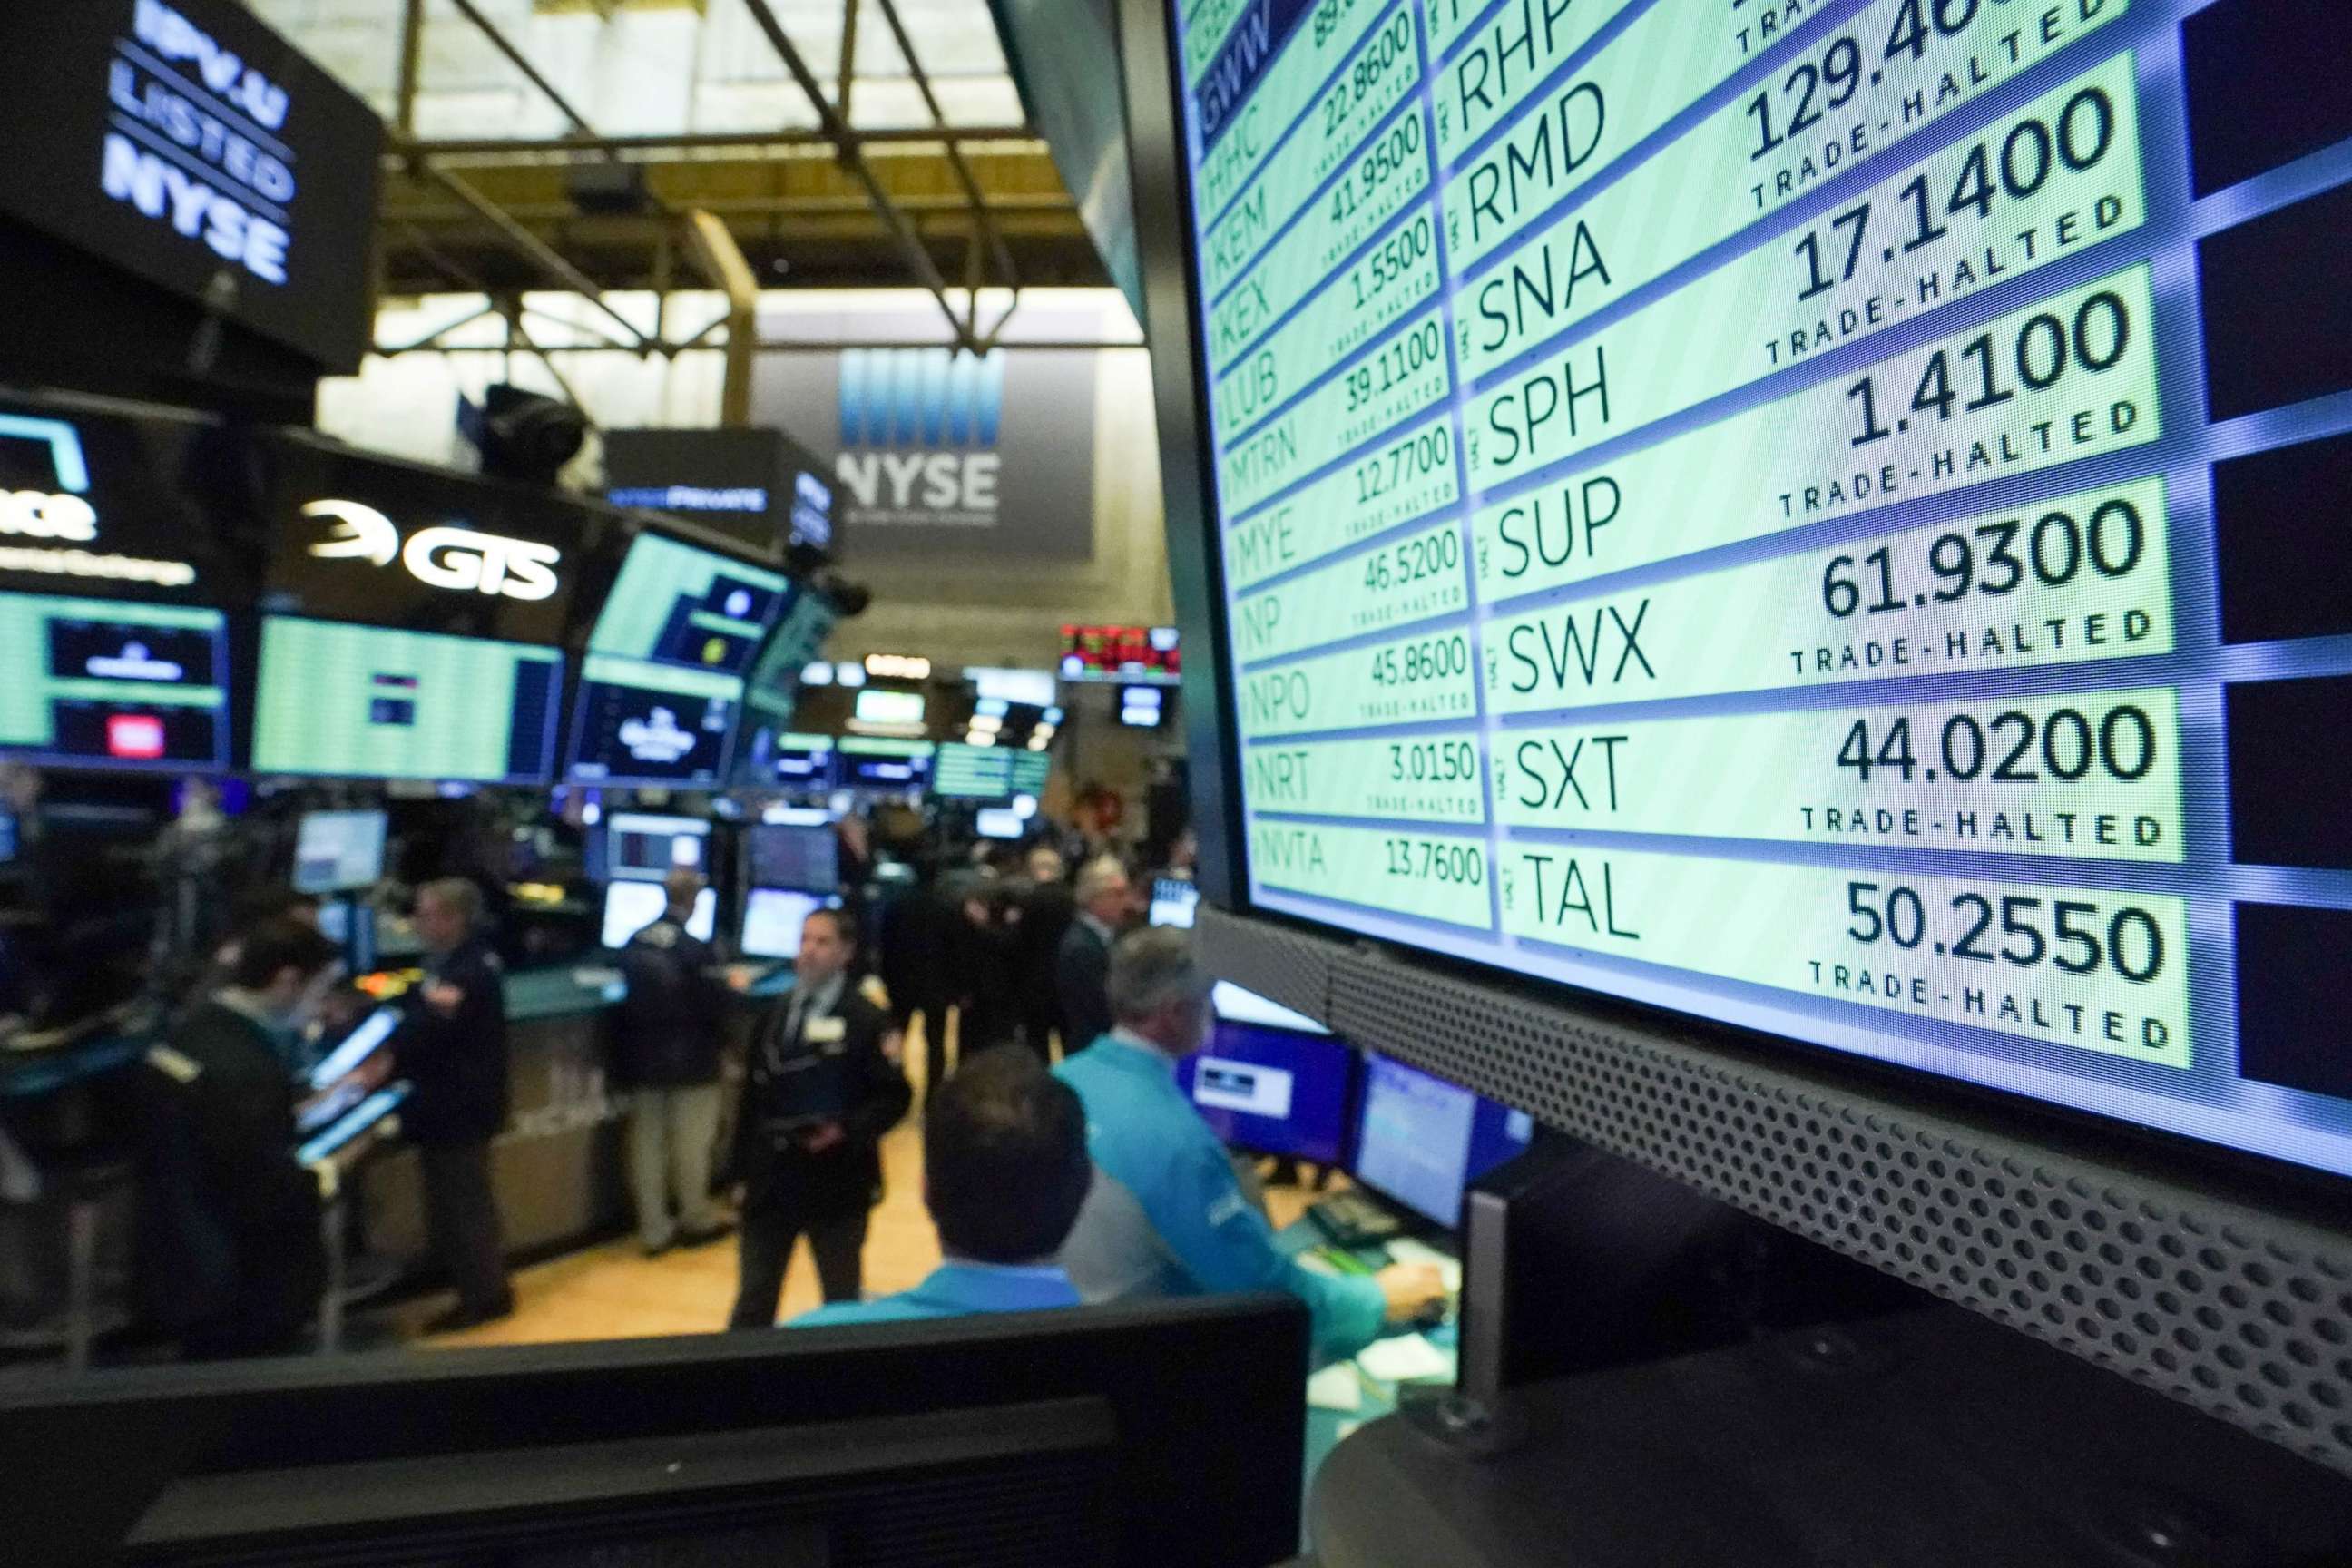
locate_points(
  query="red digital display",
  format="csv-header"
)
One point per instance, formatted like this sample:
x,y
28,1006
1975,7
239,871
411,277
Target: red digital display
x,y
1127,654
138,737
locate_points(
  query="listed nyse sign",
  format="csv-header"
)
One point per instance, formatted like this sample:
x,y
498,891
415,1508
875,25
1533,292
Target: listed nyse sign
x,y
192,142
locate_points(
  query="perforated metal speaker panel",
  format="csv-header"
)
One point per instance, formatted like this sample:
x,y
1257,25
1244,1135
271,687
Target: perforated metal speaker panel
x,y
2240,1313
1278,964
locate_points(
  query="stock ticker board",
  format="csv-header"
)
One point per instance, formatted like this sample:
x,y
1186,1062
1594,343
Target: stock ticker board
x,y
1834,516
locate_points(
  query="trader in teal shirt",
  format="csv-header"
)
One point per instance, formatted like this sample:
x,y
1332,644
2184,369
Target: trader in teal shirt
x,y
1005,1172
1167,1216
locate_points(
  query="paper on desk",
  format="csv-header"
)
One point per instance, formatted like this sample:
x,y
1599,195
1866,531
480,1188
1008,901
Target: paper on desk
x,y
1404,1250
1336,1388
1408,1358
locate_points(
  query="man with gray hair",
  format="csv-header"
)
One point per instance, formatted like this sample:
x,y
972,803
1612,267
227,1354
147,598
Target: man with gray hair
x,y
1166,1216
454,1049
1082,967
667,1041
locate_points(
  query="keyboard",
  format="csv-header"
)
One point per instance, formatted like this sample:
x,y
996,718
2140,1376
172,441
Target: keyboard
x,y
1352,1219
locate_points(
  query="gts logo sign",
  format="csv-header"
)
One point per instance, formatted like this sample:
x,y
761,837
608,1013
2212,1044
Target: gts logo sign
x,y
457,559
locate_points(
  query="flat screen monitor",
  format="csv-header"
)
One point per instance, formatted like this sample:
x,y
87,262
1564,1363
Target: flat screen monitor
x,y
885,706
963,772
112,684
1890,601
640,846
352,701
630,907
772,918
788,855
354,1123
338,851
999,822
666,666
772,693
1174,902
1274,1091
881,766
355,1047
1421,1141
1142,707
1152,654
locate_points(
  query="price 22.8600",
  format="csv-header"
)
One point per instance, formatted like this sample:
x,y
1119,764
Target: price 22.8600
x,y
2032,932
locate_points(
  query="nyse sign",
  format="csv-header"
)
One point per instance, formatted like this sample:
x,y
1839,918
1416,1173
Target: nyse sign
x,y
192,142
458,559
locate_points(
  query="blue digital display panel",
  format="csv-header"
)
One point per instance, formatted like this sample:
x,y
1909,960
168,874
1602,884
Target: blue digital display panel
x,y
1421,1140
1273,1090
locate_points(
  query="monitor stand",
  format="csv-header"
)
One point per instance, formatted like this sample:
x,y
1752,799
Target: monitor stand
x,y
1919,1440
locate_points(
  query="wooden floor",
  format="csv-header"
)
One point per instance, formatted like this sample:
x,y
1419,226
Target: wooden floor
x,y
613,1291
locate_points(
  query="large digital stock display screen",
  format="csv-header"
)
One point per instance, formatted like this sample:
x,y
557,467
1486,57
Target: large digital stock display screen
x,y
1824,515
188,143
666,661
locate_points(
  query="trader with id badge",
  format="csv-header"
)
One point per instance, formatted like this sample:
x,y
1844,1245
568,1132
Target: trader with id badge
x,y
819,1094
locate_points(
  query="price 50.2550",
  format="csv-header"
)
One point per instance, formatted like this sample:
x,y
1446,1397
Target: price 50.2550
x,y
2016,929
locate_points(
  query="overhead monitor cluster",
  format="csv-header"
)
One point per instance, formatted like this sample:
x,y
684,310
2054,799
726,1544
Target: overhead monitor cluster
x,y
385,620
1825,518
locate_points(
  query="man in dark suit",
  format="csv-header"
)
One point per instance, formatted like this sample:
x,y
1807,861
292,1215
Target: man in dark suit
x,y
1105,902
820,1092
1047,908
231,1256
666,1038
454,1049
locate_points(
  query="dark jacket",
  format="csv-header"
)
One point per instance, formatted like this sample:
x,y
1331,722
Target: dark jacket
x,y
1047,912
668,1029
791,1082
458,1060
1081,971
230,1250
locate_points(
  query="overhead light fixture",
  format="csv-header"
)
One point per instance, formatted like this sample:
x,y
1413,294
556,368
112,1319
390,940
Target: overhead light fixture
x,y
818,674
898,666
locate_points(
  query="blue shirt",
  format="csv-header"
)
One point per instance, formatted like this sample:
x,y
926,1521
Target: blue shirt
x,y
1168,1217
955,1288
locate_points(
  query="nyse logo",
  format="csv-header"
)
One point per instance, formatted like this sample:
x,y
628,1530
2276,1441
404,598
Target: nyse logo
x,y
457,559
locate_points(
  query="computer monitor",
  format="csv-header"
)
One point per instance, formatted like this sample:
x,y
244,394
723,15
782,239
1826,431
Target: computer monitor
x,y
999,822
1421,1140
772,918
630,907
1166,1434
646,846
1693,629
788,855
362,1042
881,764
338,851
353,701
962,772
115,684
1274,1091
1173,900
660,691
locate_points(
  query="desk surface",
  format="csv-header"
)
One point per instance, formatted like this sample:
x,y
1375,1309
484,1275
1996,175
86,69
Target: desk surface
x,y
1325,1428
